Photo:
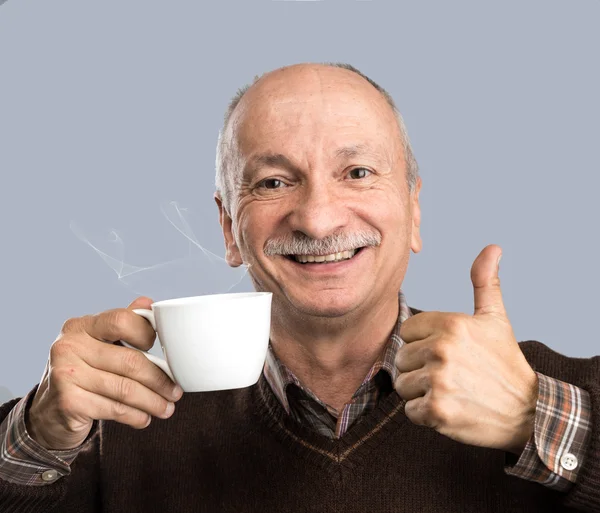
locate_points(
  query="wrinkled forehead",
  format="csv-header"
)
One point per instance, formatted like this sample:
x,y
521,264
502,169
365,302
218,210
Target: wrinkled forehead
x,y
311,110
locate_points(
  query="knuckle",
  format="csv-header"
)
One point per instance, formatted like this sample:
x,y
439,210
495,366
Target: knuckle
x,y
113,322
424,380
71,325
164,385
60,349
452,323
440,381
159,406
119,410
143,422
132,362
442,349
436,412
119,318
125,389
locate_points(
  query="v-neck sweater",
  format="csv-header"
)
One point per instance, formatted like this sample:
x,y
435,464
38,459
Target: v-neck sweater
x,y
238,451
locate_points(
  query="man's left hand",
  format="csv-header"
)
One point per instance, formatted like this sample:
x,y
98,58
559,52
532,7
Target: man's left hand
x,y
465,375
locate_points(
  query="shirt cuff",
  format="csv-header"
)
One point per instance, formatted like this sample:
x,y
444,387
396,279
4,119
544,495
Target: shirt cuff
x,y
24,461
555,452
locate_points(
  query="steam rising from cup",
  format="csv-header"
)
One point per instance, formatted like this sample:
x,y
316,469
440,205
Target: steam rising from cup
x,y
196,271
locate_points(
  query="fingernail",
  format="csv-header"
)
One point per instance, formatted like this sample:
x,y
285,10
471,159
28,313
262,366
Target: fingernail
x,y
169,410
177,392
499,258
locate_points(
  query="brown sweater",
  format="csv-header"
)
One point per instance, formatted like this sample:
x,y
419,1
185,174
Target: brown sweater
x,y
237,451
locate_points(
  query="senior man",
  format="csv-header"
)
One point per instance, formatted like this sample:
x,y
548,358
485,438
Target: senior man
x,y
365,404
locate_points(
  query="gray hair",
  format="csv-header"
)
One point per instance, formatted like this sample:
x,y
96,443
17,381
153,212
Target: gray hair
x,y
227,154
298,243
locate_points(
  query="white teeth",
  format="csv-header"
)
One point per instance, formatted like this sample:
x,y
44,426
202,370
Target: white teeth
x,y
334,257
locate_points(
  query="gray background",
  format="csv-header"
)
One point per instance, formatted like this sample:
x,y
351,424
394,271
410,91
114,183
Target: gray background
x,y
109,108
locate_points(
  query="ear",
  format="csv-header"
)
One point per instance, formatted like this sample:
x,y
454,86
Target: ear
x,y
232,252
416,244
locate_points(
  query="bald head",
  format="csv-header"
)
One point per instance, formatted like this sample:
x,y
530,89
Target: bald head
x,y
280,97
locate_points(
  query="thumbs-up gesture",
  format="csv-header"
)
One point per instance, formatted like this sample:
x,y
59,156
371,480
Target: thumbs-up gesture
x,y
465,375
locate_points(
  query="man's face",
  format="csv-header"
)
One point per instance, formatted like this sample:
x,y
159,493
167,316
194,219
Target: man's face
x,y
322,171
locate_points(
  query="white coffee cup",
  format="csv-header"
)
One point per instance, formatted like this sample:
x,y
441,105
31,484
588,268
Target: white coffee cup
x,y
213,342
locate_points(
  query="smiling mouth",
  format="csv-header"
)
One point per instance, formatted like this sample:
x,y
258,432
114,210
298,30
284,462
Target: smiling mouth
x,y
324,259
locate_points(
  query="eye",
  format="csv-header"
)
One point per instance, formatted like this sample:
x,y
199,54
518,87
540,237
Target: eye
x,y
359,172
270,183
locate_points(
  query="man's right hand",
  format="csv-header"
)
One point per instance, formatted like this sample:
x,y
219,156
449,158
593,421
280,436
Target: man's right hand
x,y
89,378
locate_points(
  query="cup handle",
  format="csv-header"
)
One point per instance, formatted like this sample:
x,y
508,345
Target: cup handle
x,y
159,362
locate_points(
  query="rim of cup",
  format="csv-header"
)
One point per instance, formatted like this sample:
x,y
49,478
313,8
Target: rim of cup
x,y
192,300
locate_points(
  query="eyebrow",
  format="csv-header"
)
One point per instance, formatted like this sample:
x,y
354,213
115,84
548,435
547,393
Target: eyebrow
x,y
279,160
268,160
271,160
355,150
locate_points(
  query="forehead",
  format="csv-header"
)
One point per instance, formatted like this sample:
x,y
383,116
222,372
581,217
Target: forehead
x,y
314,109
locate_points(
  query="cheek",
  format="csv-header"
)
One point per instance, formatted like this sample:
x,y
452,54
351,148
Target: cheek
x,y
253,230
387,211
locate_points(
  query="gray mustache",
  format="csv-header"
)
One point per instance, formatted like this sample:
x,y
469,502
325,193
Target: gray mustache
x,y
300,244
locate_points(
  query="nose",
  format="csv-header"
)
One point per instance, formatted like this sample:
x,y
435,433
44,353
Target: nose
x,y
320,212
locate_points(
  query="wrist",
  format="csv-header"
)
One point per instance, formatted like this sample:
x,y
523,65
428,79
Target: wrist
x,y
32,431
526,426
522,438
33,421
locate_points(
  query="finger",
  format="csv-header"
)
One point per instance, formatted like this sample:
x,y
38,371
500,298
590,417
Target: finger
x,y
98,407
121,324
122,390
411,385
420,326
413,356
416,412
141,302
129,363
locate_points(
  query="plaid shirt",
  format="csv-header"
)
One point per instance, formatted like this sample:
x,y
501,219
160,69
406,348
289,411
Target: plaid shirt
x,y
552,456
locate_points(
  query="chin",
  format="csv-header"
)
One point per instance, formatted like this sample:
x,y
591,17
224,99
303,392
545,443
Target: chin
x,y
329,304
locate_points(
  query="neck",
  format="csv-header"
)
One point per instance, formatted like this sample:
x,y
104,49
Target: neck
x,y
332,356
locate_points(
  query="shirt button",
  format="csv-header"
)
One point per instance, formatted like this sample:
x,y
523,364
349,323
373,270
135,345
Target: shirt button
x,y
568,461
49,476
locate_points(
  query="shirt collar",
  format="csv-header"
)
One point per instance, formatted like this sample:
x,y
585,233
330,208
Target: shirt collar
x,y
279,376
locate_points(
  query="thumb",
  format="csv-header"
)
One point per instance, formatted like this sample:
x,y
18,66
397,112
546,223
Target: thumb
x,y
141,302
486,282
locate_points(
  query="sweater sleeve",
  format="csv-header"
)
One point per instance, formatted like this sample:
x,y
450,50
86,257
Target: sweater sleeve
x,y
584,373
74,493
